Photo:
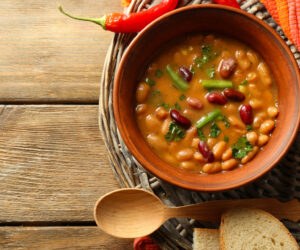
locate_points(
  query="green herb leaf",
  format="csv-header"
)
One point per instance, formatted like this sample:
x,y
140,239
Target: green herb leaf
x,y
150,82
226,138
193,70
200,61
155,92
214,130
249,128
224,119
244,82
175,132
182,97
221,118
158,73
227,124
241,148
201,135
165,105
177,106
206,56
206,49
210,72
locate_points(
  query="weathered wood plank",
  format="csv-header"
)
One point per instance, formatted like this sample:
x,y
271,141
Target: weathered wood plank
x,y
49,58
53,164
59,238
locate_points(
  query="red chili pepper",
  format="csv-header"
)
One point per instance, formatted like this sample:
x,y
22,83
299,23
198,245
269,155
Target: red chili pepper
x,y
232,3
134,22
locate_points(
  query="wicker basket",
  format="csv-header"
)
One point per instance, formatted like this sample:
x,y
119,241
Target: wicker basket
x,y
283,182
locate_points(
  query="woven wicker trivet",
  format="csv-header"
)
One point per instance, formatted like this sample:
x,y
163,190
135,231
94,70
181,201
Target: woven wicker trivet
x,y
283,182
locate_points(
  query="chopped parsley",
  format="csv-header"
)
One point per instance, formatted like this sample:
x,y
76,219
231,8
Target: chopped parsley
x,y
226,138
227,124
182,97
249,128
224,119
165,105
241,148
210,72
214,130
175,132
158,73
193,70
155,92
206,49
177,106
244,82
207,55
149,81
200,61
201,134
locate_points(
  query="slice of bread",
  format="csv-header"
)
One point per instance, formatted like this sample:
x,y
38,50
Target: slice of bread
x,y
206,239
254,229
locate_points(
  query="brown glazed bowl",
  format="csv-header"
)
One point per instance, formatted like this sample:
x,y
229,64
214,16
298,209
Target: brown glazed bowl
x,y
233,23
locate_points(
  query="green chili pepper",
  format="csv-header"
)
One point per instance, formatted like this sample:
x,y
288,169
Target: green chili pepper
x,y
178,81
220,84
208,118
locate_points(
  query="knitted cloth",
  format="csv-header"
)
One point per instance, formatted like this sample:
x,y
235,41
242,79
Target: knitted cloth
x,y
286,13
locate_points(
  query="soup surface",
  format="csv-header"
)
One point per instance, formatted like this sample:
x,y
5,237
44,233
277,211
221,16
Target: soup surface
x,y
206,103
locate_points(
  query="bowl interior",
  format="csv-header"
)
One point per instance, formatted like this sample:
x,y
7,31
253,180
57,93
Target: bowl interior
x,y
232,23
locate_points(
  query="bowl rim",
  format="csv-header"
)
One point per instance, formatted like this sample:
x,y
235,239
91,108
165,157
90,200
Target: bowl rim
x,y
168,178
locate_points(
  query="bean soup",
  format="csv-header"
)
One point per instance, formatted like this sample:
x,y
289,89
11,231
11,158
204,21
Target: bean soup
x,y
207,103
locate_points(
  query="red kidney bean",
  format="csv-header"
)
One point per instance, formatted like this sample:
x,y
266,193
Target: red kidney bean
x,y
185,73
180,119
194,102
234,95
227,67
204,150
246,114
216,98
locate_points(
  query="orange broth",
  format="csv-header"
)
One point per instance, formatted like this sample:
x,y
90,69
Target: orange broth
x,y
202,55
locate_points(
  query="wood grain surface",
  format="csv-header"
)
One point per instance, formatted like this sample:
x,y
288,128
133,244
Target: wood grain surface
x,y
60,238
47,57
53,163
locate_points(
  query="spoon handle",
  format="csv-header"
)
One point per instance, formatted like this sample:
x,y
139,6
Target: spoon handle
x,y
212,210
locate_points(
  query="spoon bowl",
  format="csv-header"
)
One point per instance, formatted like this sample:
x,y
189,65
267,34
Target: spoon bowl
x,y
126,213
131,213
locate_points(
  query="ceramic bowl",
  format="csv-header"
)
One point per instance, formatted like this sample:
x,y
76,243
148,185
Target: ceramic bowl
x,y
230,22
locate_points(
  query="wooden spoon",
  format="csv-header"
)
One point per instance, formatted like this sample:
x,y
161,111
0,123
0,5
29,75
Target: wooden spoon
x,y
131,213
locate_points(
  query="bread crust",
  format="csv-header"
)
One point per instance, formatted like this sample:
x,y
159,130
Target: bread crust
x,y
206,230
282,227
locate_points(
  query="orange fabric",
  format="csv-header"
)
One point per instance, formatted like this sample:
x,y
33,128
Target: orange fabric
x,y
271,6
283,14
286,13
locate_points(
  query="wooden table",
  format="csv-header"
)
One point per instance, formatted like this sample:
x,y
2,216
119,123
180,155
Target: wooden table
x,y
53,164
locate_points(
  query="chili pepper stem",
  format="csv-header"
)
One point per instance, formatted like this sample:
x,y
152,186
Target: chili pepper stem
x,y
100,21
